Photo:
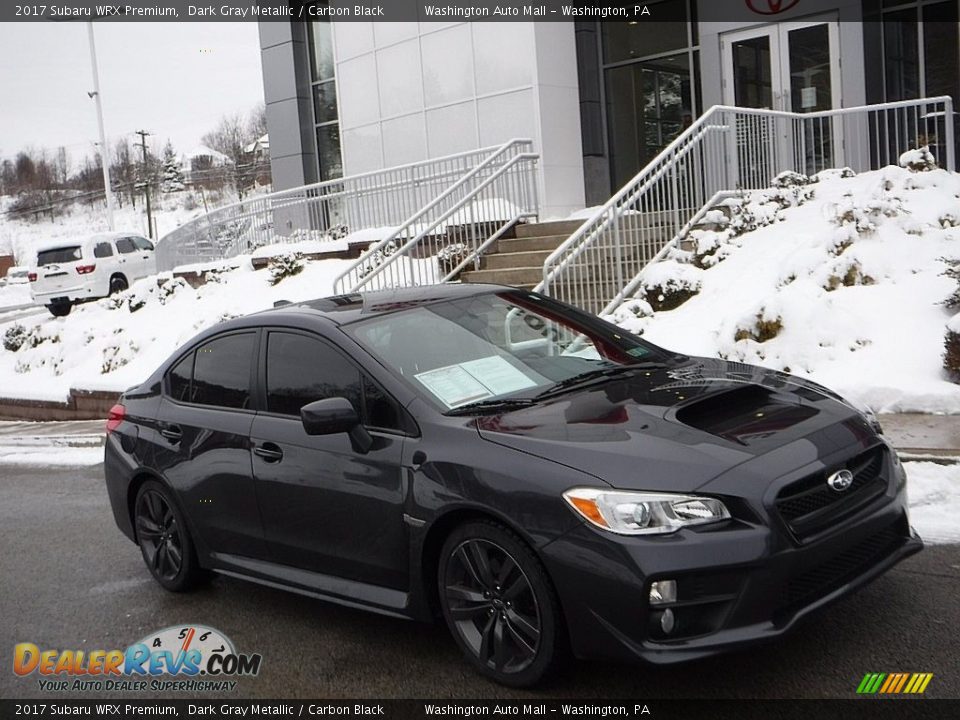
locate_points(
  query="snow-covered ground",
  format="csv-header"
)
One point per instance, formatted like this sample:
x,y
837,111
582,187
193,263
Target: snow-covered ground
x,y
934,493
847,276
117,342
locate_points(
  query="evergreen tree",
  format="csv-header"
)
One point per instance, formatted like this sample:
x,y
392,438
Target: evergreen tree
x,y
171,175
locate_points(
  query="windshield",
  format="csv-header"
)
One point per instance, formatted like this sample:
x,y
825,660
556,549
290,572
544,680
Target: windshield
x,y
58,255
502,345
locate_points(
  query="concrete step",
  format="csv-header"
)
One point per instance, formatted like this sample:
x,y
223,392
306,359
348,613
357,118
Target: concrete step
x,y
521,276
554,227
509,260
531,244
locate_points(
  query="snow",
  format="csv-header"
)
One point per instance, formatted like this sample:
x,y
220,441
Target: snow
x,y
850,267
15,295
934,493
48,452
115,343
201,151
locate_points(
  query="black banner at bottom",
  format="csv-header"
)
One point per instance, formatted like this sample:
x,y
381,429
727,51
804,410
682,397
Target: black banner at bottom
x,y
865,708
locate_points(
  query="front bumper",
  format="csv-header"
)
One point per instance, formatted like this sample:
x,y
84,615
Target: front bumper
x,y
737,584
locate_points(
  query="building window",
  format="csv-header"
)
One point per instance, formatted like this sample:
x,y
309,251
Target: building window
x,y
323,85
651,86
920,49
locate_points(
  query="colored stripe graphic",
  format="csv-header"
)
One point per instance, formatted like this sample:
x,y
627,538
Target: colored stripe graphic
x,y
894,683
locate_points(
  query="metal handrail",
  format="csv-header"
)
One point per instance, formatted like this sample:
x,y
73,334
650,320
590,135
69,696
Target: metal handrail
x,y
380,198
381,258
727,148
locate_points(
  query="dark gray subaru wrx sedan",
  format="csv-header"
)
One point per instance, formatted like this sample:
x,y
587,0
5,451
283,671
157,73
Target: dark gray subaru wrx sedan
x,y
538,477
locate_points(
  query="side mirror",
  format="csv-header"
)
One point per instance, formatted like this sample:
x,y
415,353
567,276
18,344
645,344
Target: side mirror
x,y
332,416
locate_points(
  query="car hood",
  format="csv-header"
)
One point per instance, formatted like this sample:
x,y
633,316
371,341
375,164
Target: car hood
x,y
678,428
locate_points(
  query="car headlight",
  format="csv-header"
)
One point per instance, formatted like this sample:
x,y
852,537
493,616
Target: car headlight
x,y
640,513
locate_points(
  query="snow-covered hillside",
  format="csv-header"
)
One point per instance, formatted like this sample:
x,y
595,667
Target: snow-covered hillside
x,y
117,342
842,280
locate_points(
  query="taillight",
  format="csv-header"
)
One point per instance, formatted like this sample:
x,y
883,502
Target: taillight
x,y
32,277
115,416
85,269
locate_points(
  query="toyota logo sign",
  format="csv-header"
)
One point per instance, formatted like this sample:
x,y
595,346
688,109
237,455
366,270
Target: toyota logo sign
x,y
770,7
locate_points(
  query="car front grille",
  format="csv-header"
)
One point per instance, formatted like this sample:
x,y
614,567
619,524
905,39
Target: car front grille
x,y
841,568
810,505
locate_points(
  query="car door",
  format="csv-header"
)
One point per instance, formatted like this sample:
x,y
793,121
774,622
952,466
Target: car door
x,y
327,507
146,256
204,450
128,259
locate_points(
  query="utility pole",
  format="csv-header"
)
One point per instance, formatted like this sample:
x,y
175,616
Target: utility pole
x,y
146,179
104,152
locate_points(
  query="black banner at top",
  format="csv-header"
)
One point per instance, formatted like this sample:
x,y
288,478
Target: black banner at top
x,y
405,10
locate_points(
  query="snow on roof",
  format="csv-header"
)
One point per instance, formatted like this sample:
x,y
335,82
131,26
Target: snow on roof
x,y
80,239
204,151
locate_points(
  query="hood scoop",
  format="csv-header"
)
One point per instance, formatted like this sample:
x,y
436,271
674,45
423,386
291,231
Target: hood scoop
x,y
744,414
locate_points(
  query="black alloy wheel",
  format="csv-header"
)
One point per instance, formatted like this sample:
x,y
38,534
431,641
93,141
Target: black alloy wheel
x,y
118,283
164,540
498,603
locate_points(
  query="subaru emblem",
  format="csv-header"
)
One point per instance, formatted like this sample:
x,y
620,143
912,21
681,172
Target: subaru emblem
x,y
840,480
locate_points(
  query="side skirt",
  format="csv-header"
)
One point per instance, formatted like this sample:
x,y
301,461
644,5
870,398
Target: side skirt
x,y
362,596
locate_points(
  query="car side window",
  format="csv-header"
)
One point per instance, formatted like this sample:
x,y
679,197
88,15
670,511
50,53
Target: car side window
x,y
221,371
301,370
126,246
178,379
103,250
381,410
142,243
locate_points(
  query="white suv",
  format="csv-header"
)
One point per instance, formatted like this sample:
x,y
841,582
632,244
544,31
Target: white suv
x,y
100,265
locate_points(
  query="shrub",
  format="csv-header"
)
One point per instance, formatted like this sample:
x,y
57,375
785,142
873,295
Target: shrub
x,y
951,354
449,257
847,276
918,160
14,337
285,266
667,285
763,329
377,258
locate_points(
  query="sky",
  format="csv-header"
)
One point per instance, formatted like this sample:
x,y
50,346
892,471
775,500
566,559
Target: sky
x,y
174,80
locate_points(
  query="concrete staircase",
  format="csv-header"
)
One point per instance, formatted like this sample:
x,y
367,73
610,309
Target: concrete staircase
x,y
518,260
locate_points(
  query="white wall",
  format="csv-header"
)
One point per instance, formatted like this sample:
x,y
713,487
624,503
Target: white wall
x,y
413,91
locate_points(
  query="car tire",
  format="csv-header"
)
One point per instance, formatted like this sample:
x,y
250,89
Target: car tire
x,y
165,543
499,604
118,283
60,309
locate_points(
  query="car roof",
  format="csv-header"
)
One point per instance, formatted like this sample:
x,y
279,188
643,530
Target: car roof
x,y
85,239
344,309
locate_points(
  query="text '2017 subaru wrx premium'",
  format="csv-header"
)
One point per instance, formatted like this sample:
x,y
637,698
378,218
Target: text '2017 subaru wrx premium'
x,y
542,480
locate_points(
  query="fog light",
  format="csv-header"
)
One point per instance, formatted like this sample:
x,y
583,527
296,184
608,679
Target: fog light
x,y
663,592
667,621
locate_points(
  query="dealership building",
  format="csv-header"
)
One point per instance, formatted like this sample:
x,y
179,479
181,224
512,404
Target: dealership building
x,y
598,99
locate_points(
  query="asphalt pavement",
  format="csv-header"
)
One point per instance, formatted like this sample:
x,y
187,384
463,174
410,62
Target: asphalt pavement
x,y
69,579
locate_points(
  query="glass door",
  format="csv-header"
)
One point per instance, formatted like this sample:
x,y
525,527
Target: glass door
x,y
790,66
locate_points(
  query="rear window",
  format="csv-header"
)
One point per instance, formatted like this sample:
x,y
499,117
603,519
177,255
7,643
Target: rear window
x,y
59,255
102,250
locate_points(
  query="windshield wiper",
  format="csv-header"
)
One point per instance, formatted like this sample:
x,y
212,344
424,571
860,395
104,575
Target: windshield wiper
x,y
599,374
501,404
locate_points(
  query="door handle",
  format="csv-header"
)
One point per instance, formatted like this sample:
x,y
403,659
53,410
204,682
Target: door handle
x,y
270,452
173,433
